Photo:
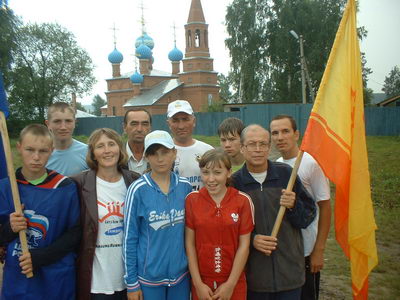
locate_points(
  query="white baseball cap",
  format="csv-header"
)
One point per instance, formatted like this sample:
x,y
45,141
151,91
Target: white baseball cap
x,y
158,137
179,106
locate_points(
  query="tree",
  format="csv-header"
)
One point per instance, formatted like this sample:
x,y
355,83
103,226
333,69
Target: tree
x,y
48,66
266,58
97,103
224,83
246,45
8,27
80,107
391,86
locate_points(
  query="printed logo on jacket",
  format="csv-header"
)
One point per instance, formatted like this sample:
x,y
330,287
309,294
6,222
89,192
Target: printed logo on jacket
x,y
38,226
165,219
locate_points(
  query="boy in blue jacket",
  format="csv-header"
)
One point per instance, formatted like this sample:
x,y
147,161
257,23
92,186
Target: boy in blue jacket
x,y
50,218
154,220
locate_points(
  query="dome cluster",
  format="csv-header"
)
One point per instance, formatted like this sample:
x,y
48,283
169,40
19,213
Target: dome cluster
x,y
144,45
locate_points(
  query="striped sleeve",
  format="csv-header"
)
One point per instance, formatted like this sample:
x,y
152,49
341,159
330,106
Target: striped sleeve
x,y
247,214
131,237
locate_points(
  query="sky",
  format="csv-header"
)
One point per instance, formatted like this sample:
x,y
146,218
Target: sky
x,y
91,21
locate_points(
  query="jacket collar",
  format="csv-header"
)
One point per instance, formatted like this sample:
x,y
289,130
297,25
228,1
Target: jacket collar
x,y
172,184
230,193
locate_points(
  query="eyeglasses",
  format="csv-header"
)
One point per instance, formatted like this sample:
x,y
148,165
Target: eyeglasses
x,y
253,146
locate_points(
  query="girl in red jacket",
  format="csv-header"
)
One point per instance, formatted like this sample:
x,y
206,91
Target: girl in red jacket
x,y
219,220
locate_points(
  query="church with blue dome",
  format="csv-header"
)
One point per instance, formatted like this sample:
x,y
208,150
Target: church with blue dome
x,y
154,89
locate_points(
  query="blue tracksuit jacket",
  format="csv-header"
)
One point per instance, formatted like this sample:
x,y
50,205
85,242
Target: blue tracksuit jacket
x,y
154,225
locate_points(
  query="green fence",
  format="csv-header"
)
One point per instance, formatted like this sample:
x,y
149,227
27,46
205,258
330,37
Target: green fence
x,y
379,120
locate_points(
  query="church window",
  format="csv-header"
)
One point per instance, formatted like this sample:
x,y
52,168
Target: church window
x,y
114,111
197,38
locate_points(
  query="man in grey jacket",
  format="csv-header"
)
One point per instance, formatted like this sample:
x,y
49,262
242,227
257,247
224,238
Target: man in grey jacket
x,y
275,267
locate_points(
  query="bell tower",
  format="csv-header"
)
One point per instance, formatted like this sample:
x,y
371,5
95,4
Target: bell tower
x,y
201,87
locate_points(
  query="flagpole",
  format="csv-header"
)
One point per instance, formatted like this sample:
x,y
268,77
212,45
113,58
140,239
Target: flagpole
x,y
13,181
289,188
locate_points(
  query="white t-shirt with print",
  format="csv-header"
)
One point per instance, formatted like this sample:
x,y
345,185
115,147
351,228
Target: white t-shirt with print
x,y
108,266
315,182
186,163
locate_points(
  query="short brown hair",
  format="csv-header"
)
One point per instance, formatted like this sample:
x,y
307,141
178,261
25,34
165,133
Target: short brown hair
x,y
290,118
136,109
36,130
59,106
230,126
94,138
215,157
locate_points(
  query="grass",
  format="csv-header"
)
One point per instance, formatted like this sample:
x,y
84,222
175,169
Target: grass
x,y
384,164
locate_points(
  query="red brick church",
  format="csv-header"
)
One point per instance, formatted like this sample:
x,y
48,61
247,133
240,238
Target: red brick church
x,y
153,89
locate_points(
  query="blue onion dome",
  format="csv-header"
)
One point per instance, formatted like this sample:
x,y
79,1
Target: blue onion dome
x,y
136,77
143,52
115,57
144,39
175,55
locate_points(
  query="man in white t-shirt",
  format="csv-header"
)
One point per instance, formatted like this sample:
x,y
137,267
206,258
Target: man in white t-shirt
x,y
137,124
181,122
69,155
285,136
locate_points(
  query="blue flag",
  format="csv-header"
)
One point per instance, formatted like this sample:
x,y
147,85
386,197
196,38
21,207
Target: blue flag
x,y
3,108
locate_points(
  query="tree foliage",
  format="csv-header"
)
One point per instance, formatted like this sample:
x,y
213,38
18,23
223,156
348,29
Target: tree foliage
x,y
266,57
8,26
48,65
97,103
80,107
391,86
225,92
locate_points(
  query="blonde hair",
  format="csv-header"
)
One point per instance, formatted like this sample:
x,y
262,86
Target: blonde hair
x,y
59,106
94,138
36,130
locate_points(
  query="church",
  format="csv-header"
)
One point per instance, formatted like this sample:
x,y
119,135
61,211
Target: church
x,y
153,89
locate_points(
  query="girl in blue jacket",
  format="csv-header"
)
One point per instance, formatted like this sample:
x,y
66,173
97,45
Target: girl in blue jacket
x,y
154,253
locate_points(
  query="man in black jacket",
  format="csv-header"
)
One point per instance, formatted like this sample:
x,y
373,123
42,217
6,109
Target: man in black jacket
x,y
275,267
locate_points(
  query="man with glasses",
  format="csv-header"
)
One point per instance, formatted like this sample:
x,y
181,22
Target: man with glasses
x,y
285,136
275,268
137,124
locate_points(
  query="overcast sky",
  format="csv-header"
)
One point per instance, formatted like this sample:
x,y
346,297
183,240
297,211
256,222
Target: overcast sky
x,y
91,22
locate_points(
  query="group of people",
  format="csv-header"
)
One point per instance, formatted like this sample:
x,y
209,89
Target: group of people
x,y
163,216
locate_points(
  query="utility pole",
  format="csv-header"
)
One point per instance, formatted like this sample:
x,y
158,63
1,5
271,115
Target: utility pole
x,y
303,72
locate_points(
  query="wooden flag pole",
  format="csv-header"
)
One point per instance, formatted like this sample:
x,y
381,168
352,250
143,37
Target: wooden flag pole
x,y
289,187
13,181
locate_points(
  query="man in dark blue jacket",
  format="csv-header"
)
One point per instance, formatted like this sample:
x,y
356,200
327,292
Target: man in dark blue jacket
x,y
275,266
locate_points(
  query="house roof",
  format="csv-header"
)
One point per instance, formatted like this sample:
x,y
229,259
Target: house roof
x,y
151,96
378,97
82,114
388,100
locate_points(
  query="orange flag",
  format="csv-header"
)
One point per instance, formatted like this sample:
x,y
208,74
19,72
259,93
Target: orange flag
x,y
335,137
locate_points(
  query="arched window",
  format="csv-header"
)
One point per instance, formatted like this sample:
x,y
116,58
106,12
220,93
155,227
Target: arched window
x,y
197,38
